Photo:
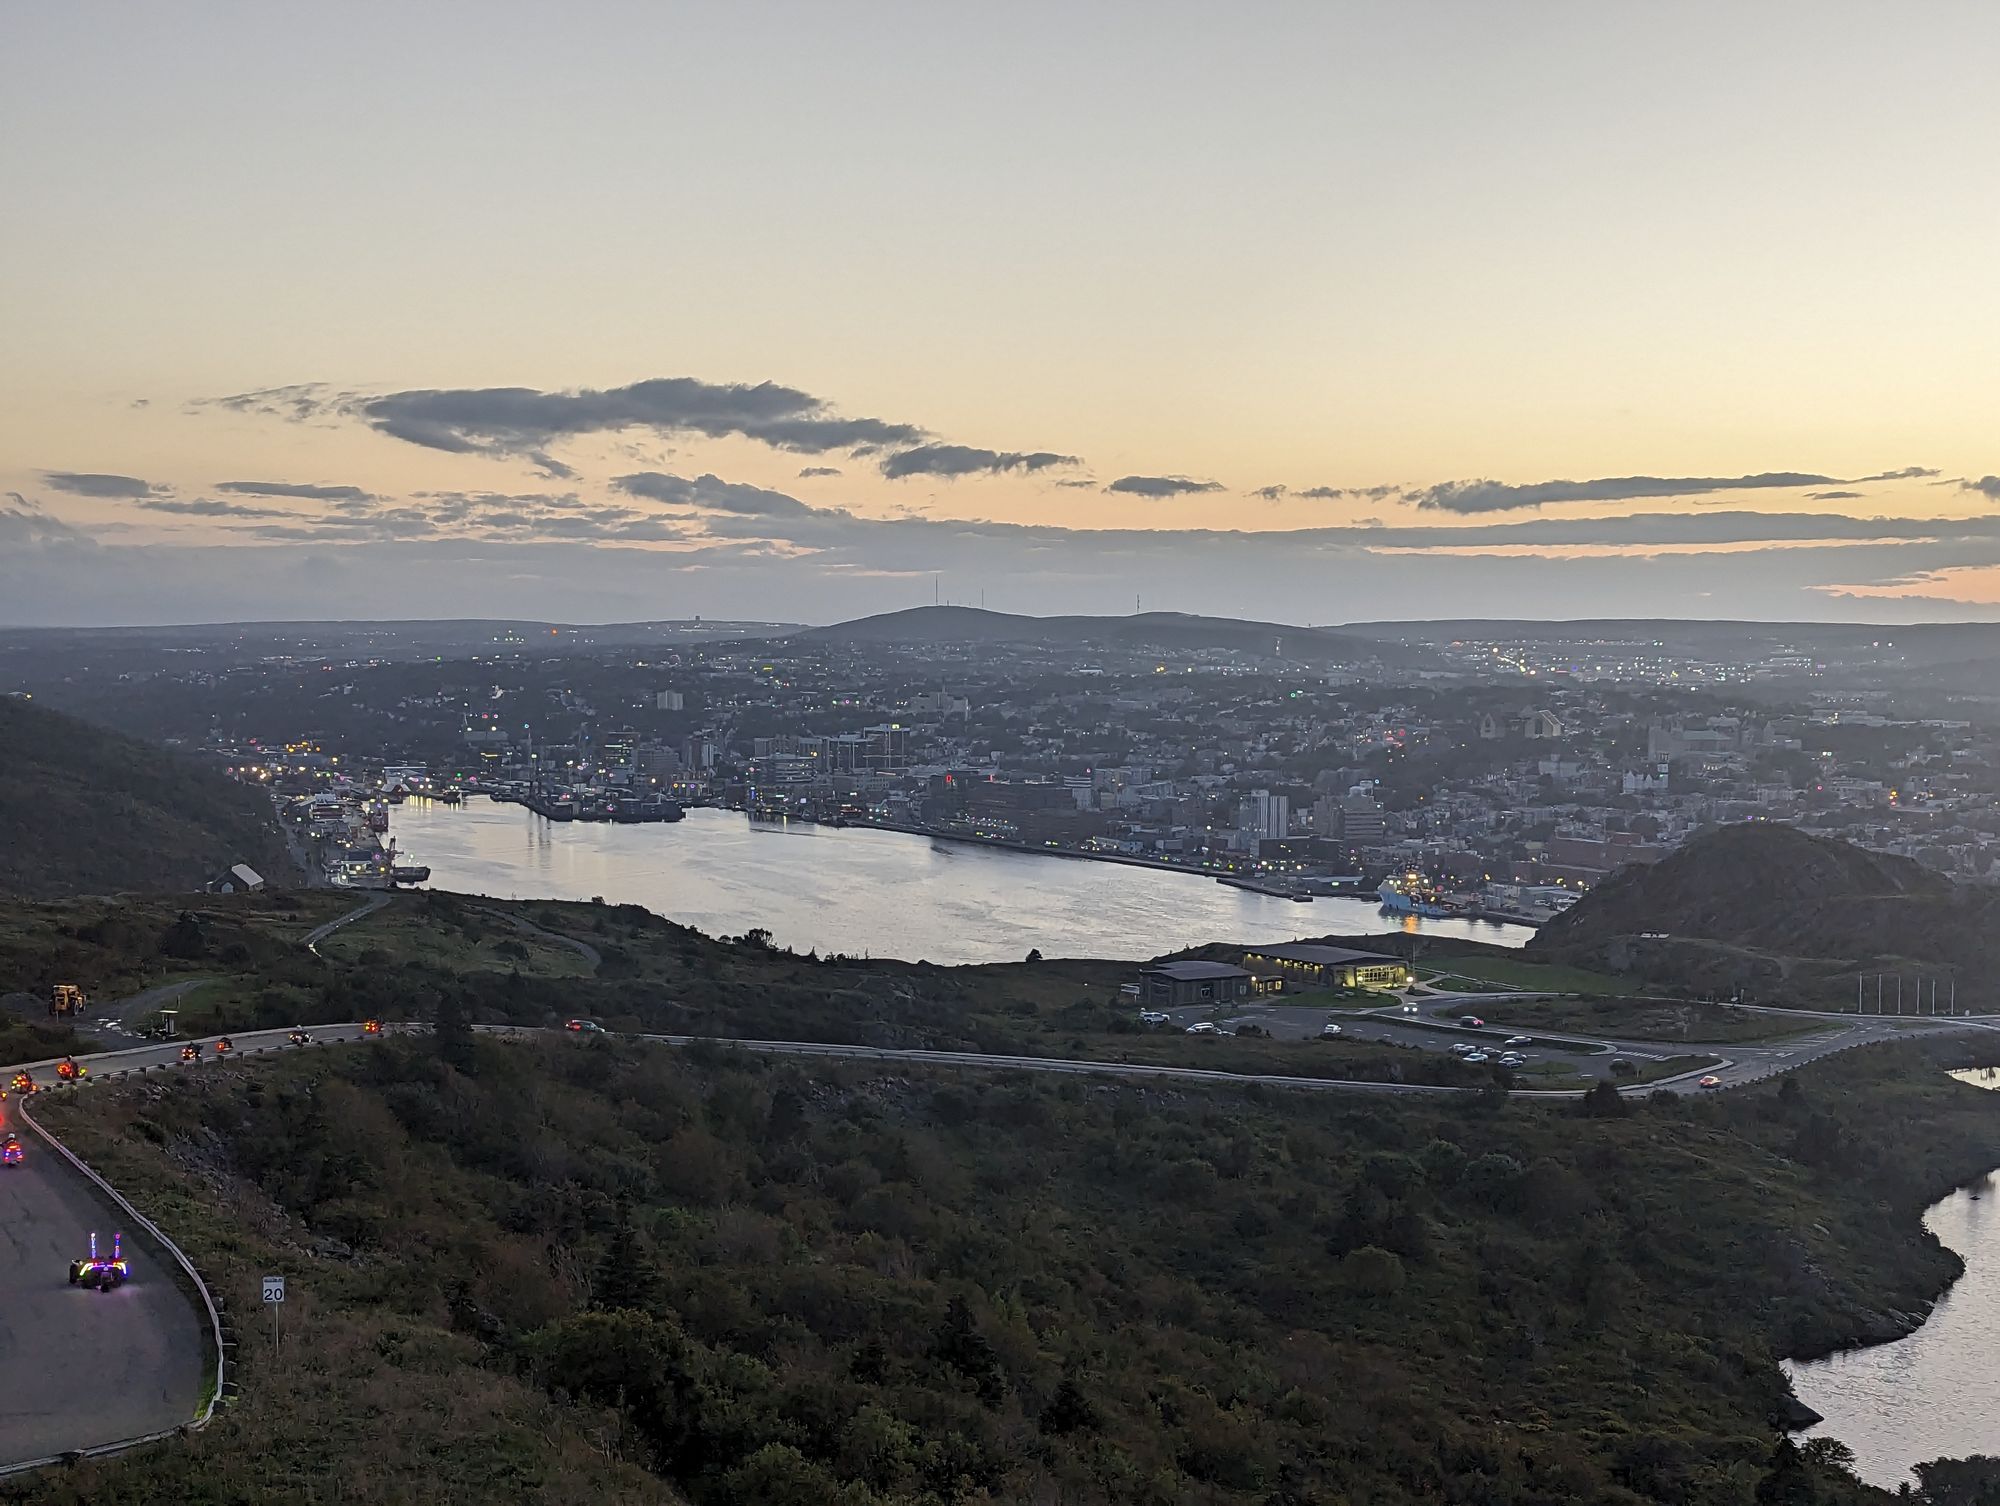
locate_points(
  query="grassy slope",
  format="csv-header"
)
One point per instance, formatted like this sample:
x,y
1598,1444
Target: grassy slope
x,y
1513,972
884,1286
83,810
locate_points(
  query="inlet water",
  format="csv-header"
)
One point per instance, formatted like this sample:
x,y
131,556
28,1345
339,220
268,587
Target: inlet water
x,y
875,893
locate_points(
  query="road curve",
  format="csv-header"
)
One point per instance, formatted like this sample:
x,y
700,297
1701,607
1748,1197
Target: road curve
x,y
79,1368
82,1369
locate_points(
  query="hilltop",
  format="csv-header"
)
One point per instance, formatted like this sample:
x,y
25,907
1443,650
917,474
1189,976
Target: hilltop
x,y
86,810
1168,630
1782,913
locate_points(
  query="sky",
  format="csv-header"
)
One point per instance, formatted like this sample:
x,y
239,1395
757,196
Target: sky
x,y
794,312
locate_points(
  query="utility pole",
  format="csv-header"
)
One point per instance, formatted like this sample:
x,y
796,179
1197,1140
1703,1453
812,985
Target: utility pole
x,y
1878,993
1899,993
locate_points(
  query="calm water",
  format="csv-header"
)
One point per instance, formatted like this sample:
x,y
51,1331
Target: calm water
x,y
1935,1394
879,893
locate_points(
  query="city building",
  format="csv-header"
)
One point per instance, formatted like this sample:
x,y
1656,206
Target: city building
x,y
1308,965
1167,985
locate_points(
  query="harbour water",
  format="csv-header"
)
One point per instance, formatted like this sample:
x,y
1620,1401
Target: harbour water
x,y
878,893
1934,1394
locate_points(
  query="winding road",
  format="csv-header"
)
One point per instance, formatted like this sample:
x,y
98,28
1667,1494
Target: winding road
x,y
82,1369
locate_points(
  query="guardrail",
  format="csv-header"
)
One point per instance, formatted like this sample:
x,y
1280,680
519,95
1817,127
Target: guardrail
x,y
154,1232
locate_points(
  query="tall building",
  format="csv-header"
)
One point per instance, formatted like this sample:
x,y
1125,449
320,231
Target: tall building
x,y
1362,820
1264,814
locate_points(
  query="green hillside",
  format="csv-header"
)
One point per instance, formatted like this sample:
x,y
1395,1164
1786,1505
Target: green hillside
x,y
1784,916
763,1283
84,810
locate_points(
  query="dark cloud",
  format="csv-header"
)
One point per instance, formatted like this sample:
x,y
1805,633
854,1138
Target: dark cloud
x,y
1363,493
1268,493
819,470
711,493
24,523
1986,486
551,467
1907,473
1078,483
1832,496
525,421
210,507
298,403
965,460
1161,486
100,484
1495,496
305,491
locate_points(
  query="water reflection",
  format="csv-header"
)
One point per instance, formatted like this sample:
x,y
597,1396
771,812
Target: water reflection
x,y
1936,1393
885,894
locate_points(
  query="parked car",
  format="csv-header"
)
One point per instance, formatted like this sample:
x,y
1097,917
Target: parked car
x,y
1204,1027
1151,1017
1461,1047
1519,1040
1477,1056
1329,1028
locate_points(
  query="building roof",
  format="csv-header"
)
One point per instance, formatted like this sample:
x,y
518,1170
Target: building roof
x,y
1319,956
243,873
1190,972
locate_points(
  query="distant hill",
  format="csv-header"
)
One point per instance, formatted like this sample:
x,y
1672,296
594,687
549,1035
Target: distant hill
x,y
85,810
1783,914
1139,630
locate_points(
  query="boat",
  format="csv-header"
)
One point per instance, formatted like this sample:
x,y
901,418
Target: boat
x,y
1410,894
410,873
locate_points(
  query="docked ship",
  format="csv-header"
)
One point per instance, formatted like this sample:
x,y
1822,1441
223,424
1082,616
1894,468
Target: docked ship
x,y
1410,894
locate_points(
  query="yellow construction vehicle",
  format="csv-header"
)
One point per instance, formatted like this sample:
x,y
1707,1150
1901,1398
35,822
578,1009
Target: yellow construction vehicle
x,y
66,999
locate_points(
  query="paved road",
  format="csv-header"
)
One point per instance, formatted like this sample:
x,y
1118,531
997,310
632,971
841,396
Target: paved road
x,y
81,1368
375,901
127,1013
527,927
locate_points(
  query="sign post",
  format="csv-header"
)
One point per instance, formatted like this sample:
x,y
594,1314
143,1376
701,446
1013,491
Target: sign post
x,y
274,1294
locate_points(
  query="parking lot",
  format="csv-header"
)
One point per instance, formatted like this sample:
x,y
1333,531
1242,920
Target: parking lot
x,y
1304,1023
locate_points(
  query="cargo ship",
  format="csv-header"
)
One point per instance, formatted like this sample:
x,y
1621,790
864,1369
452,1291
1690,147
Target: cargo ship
x,y
1410,894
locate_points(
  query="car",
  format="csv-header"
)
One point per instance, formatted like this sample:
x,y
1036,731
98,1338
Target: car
x,y
1204,1027
298,1038
1511,1059
1477,1056
1471,1021
69,1069
1519,1040
191,1052
1151,1017
11,1153
1710,1081
1329,1028
99,1271
1460,1047
371,1027
584,1027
